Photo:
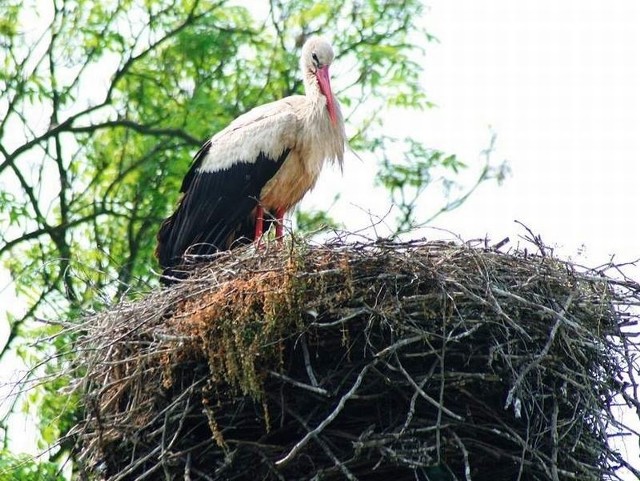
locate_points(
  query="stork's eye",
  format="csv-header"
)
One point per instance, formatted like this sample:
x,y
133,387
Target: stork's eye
x,y
315,59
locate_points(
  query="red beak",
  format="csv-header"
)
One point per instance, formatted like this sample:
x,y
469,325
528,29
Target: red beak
x,y
322,74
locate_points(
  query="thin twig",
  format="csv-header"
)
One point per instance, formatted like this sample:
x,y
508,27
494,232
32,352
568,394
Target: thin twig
x,y
317,390
303,442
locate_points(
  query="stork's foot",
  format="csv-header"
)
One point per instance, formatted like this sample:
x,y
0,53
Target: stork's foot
x,y
258,231
279,224
259,228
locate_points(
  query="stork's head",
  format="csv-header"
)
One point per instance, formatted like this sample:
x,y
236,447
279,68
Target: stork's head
x,y
317,55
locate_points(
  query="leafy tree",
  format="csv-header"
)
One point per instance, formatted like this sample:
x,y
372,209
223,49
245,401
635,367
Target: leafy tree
x,y
25,468
103,103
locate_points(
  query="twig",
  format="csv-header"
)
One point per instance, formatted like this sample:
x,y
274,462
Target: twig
x,y
397,345
325,447
187,468
307,360
317,390
303,442
342,320
554,440
426,397
465,455
545,350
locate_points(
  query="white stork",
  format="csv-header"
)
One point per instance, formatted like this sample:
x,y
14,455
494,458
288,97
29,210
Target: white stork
x,y
253,172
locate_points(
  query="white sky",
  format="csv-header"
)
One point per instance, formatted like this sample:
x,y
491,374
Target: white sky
x,y
559,82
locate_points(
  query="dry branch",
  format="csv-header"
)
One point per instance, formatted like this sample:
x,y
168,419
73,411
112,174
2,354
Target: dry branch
x,y
363,361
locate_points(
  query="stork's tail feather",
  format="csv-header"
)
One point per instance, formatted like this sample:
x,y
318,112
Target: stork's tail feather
x,y
163,249
176,262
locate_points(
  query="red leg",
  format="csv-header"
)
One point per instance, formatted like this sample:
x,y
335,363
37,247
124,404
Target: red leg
x,y
257,236
279,224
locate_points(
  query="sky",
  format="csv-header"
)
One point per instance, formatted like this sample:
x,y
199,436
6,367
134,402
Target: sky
x,y
558,82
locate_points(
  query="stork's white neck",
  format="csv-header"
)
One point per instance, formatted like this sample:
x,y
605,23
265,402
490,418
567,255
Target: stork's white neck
x,y
323,138
311,86
315,98
320,138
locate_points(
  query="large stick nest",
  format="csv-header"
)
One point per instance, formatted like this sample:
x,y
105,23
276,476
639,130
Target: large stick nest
x,y
428,361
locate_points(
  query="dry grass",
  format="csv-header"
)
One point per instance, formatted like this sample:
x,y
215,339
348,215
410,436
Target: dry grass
x,y
363,361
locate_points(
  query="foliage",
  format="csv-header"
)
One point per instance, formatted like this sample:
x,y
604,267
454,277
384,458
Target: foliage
x,y
420,168
25,468
316,220
102,105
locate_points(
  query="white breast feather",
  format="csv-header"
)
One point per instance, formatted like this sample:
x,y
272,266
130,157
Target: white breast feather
x,y
318,141
267,129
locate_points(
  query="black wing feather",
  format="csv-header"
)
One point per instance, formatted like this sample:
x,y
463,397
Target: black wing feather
x,y
215,212
195,165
